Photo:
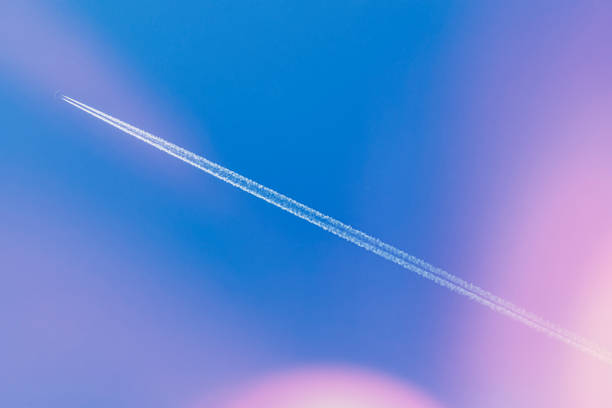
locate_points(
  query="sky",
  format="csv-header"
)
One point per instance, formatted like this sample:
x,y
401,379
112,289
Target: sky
x,y
474,136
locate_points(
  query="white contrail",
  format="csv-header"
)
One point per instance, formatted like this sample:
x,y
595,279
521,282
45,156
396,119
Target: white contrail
x,y
355,236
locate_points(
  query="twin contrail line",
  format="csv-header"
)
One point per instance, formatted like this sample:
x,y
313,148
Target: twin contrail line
x,y
355,236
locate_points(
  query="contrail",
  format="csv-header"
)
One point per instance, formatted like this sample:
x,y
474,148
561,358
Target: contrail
x,y
355,236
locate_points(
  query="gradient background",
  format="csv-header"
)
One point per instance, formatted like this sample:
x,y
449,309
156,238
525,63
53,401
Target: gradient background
x,y
476,136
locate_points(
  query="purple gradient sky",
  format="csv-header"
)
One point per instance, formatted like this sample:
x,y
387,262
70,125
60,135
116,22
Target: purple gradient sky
x,y
476,137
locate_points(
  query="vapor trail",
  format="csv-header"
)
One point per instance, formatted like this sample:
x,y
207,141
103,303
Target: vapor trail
x,y
355,236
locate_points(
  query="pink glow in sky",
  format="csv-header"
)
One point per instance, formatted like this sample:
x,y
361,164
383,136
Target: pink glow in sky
x,y
588,382
552,254
547,245
331,387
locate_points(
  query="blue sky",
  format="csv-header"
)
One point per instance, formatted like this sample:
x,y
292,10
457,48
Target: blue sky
x,y
399,118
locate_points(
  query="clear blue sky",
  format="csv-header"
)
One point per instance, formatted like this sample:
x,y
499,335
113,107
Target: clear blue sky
x,y
132,279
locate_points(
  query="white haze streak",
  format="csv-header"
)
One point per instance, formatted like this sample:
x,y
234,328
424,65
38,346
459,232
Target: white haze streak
x,y
355,236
